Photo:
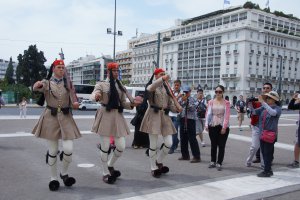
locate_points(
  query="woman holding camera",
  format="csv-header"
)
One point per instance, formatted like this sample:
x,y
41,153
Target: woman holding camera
x,y
269,114
217,125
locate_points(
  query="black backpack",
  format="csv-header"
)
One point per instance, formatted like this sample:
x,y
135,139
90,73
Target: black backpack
x,y
201,109
241,105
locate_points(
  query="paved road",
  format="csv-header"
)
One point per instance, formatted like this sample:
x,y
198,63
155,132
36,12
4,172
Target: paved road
x,y
24,174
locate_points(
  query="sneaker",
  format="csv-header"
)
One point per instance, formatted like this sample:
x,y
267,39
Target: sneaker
x,y
219,167
294,164
212,165
248,164
203,144
171,151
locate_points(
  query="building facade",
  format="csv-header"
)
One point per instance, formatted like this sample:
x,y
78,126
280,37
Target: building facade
x,y
89,69
3,68
124,58
237,47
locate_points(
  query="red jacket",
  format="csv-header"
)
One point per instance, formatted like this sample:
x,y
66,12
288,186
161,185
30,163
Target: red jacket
x,y
255,118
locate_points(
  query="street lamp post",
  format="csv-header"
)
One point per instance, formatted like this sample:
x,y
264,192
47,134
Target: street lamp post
x,y
119,33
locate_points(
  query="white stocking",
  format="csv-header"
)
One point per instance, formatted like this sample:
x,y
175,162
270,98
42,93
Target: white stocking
x,y
120,147
104,146
153,151
165,148
52,158
67,156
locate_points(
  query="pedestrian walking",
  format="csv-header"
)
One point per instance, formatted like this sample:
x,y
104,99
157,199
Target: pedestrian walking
x,y
23,108
240,107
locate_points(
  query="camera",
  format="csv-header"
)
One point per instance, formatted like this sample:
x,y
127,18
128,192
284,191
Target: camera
x,y
251,99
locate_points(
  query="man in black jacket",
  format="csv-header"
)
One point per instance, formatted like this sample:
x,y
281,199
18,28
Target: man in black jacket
x,y
295,106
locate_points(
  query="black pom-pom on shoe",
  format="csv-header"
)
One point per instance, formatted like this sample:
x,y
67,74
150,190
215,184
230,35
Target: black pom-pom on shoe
x,y
68,181
114,173
156,173
163,169
54,185
109,179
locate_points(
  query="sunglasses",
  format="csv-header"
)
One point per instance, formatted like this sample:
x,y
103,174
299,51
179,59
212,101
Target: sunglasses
x,y
219,92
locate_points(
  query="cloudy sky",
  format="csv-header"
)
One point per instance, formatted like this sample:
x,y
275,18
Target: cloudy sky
x,y
79,26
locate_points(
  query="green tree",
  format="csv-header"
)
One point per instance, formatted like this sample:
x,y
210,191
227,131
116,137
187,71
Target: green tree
x,y
92,82
31,66
9,75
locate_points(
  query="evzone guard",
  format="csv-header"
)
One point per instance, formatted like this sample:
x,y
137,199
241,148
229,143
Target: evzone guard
x,y
158,122
109,119
56,122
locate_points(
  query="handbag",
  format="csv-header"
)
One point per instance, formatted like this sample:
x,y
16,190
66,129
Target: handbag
x,y
267,136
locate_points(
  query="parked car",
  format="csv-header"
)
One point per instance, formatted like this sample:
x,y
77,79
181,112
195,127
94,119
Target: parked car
x,y
284,107
89,105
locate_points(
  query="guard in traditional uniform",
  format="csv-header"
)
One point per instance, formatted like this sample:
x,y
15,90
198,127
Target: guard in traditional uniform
x,y
56,122
109,119
158,122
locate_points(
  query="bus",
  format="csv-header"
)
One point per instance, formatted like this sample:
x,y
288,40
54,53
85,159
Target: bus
x,y
83,91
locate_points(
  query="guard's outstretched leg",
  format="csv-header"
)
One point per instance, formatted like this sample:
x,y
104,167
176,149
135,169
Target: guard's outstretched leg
x,y
66,158
51,158
120,147
152,156
164,149
104,146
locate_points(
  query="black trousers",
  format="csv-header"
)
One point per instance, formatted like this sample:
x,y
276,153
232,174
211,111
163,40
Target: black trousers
x,y
217,140
140,139
267,150
188,135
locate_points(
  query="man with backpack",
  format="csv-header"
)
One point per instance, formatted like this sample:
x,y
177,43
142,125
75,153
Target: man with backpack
x,y
240,107
200,110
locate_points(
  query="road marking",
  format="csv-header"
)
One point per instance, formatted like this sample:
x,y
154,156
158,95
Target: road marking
x,y
227,189
231,136
85,165
15,117
127,116
248,139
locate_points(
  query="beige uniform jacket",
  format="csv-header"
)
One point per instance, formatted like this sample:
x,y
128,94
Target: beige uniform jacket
x,y
110,123
158,123
60,126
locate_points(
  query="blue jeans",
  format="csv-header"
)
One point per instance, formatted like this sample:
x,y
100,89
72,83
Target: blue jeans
x,y
175,136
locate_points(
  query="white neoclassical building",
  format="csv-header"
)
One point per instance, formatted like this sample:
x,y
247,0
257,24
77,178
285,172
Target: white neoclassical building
x,y
237,47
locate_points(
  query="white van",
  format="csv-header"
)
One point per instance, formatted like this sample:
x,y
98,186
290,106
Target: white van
x,y
134,91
